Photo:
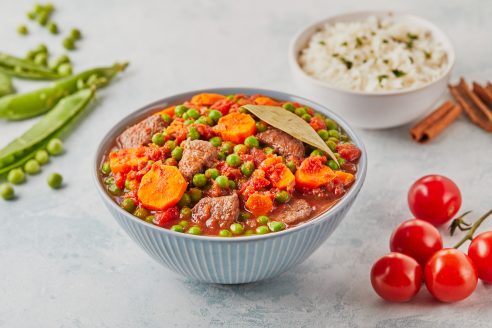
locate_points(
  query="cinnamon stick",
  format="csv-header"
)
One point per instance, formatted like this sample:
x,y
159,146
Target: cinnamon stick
x,y
434,123
476,110
483,94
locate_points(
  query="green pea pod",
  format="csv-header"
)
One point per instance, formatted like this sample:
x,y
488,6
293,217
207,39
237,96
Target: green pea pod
x,y
25,68
21,149
25,105
6,86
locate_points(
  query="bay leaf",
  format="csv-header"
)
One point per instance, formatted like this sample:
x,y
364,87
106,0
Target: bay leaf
x,y
291,124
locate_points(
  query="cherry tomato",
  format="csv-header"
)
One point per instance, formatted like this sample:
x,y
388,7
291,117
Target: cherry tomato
x,y
480,251
396,277
434,198
450,275
417,239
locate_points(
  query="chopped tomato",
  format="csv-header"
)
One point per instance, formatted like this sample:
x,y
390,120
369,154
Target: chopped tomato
x,y
348,151
258,155
255,183
230,172
204,130
278,173
163,217
317,123
223,106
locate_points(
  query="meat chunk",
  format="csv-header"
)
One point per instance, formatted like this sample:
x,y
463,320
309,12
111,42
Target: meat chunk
x,y
197,155
141,133
293,212
216,212
283,143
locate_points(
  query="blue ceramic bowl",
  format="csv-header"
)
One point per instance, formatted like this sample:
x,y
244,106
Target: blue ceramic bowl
x,y
229,260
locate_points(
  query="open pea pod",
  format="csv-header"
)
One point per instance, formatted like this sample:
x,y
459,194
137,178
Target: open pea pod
x,y
51,125
25,68
25,105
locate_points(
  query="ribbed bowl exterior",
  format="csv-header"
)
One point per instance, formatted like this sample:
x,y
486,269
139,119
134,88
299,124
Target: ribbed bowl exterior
x,y
229,260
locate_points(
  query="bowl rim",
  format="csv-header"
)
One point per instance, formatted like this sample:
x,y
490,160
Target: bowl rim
x,y
131,118
293,53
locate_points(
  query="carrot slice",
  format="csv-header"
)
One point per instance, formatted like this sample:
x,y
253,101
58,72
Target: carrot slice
x,y
344,178
162,187
169,111
236,127
206,99
259,204
266,101
125,160
313,173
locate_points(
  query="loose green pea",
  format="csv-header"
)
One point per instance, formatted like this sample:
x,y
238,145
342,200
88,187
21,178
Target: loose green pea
x,y
184,223
128,185
65,69
233,160
262,219
212,173
53,28
282,196
41,48
330,124
16,176
31,15
105,168
177,228
261,230
276,226
225,233
195,194
185,213
68,43
141,213
128,204
292,166
249,232
114,190
300,111
170,144
227,147
334,134
332,145
290,107
201,120
32,167
7,191
221,156
184,201
323,134
166,118
261,126
306,117
240,149
43,17
180,110
268,150
188,122
222,181
237,228
199,180
158,139
252,142
215,115
247,168
333,165
31,54
215,141
193,133
317,152
55,147
193,113
42,157
177,153
232,184
22,30
195,230
75,34
41,59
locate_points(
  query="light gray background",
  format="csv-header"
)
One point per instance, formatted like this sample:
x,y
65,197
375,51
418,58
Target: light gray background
x,y
65,263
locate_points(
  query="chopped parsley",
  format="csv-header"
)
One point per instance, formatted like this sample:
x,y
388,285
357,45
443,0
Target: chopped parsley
x,y
398,73
347,63
412,36
428,54
358,42
386,61
323,43
382,77
411,59
385,41
345,44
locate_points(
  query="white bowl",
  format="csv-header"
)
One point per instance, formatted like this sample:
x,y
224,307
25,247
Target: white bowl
x,y
376,110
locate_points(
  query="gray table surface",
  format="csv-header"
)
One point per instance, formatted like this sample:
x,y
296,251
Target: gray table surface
x,y
64,262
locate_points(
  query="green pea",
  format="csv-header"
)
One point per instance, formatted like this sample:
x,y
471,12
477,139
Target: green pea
x,y
240,149
193,134
215,115
7,191
323,134
227,147
31,15
150,219
247,168
193,113
22,29
68,43
306,117
43,17
237,228
170,144
177,153
32,167
232,184
242,110
201,120
333,139
41,59
300,111
31,54
290,107
114,190
330,124
158,139
244,216
185,213
41,48
128,204
282,196
128,185
109,180
184,223
195,194
177,228
341,160
252,142
75,34
188,122
215,141
344,137
141,213
292,166
334,134
222,181
180,110
333,165
317,152
276,226
199,180
225,233
184,201
105,168
249,232
261,230
233,160
332,145
166,118
261,126
65,69
212,173
221,156
53,28
195,230
43,157
55,147
16,176
268,150
262,219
